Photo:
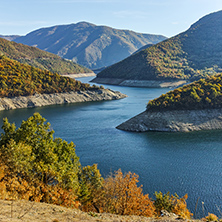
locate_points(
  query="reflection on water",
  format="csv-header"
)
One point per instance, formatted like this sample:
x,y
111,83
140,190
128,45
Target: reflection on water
x,y
176,162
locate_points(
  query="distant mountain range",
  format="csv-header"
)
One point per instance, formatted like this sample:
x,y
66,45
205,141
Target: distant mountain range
x,y
9,37
87,44
39,58
191,55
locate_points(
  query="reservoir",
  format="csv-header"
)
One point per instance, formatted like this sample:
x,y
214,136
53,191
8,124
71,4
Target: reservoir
x,y
175,162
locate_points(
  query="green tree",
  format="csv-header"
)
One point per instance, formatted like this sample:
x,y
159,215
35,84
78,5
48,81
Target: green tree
x,y
32,144
91,183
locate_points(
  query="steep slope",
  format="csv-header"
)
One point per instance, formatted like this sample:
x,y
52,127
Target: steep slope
x,y
197,106
188,56
39,58
87,44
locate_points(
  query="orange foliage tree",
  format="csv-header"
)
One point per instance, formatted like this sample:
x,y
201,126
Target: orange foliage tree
x,y
121,195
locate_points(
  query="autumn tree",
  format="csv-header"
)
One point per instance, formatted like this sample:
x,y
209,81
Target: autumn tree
x,y
121,195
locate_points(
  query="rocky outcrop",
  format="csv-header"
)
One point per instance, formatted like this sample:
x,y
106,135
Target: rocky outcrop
x,y
175,121
38,100
139,83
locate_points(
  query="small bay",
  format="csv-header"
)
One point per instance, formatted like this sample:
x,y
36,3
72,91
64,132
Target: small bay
x,y
176,162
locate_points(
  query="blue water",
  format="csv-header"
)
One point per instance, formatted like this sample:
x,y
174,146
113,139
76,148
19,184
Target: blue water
x,y
176,162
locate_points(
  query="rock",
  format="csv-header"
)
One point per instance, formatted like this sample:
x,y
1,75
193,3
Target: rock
x,y
38,100
165,213
175,121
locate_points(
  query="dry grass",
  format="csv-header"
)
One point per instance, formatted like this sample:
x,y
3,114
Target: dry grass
x,y
26,211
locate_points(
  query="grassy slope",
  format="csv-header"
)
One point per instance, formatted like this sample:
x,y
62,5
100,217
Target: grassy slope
x,y
38,212
18,79
39,58
190,55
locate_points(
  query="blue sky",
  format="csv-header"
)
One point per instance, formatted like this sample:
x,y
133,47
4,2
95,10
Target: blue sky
x,y
166,17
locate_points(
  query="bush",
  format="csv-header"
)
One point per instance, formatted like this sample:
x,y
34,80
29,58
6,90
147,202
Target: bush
x,y
211,217
172,204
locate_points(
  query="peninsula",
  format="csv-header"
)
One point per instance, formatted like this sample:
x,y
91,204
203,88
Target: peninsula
x,y
23,86
197,106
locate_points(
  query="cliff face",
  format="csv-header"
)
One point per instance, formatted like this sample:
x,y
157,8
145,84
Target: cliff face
x,y
175,121
38,100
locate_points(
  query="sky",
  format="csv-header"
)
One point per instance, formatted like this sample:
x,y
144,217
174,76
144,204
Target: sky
x,y
165,17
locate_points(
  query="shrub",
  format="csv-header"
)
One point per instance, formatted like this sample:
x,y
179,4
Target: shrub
x,y
211,217
172,203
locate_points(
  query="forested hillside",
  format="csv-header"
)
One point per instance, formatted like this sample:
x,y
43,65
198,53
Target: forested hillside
x,y
17,79
39,58
190,55
202,94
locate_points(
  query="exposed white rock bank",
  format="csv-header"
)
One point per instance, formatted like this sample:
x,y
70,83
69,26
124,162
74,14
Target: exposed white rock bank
x,y
174,121
79,75
139,83
39,100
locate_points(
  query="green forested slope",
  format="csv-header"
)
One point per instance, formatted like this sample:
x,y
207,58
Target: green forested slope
x,y
190,55
201,94
17,79
39,58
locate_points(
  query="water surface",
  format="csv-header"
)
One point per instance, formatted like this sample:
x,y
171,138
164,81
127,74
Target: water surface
x,y
176,162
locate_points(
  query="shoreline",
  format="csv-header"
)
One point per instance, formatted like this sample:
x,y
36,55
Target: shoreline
x,y
174,121
38,100
80,75
139,83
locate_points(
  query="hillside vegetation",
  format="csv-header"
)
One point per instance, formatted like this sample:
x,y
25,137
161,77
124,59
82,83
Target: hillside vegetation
x,y
190,55
87,44
17,79
36,166
202,94
39,58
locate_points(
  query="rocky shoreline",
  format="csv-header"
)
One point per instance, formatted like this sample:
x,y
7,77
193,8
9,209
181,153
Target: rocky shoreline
x,y
79,75
174,121
139,83
38,100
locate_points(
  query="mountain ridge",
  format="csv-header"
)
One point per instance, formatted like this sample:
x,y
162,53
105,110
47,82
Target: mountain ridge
x,y
190,55
88,44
